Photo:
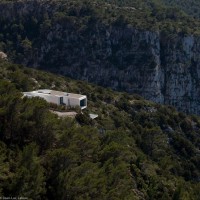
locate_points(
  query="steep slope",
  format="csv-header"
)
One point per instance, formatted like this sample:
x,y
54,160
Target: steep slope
x,y
145,48
135,149
190,7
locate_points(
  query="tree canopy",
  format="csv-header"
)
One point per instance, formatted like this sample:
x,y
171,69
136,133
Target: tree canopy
x,y
135,149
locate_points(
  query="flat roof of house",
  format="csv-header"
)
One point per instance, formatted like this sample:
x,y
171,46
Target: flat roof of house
x,y
55,93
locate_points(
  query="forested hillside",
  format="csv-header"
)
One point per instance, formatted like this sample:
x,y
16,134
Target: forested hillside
x,y
191,7
142,47
135,149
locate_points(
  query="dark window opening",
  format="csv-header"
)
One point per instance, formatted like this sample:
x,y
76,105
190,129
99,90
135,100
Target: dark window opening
x,y
61,101
82,102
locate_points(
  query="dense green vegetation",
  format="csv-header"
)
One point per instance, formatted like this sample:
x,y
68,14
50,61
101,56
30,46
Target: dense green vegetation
x,y
24,38
135,149
163,15
191,7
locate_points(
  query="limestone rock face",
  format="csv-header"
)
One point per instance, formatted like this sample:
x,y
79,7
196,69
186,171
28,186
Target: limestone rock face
x,y
3,55
161,68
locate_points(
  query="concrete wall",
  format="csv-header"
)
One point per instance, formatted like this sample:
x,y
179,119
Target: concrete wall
x,y
48,98
67,100
73,102
52,99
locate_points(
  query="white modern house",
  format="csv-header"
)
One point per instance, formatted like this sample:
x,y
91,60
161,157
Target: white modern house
x,y
59,98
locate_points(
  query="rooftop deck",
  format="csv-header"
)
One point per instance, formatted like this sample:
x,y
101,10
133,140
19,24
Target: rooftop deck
x,y
55,93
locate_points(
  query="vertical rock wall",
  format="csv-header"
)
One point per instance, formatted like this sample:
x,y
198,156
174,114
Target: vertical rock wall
x,y
161,68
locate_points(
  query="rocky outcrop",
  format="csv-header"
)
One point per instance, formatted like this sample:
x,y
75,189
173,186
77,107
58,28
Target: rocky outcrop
x,y
159,67
3,55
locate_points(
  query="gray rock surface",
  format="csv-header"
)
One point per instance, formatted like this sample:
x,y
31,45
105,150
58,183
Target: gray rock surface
x,y
161,68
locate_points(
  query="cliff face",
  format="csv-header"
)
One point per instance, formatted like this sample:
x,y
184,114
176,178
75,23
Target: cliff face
x,y
182,73
161,68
